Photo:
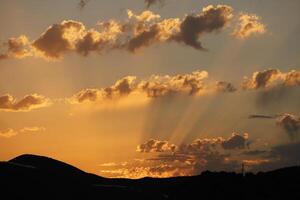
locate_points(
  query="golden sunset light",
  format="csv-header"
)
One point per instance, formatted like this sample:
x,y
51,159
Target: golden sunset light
x,y
151,88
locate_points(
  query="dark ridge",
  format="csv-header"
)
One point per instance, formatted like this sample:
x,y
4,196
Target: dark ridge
x,y
45,163
38,177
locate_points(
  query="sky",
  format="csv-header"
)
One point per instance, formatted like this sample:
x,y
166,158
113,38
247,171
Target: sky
x,y
158,88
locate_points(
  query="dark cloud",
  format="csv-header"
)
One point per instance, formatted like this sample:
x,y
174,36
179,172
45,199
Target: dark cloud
x,y
83,3
261,116
283,155
291,124
153,2
27,103
223,86
236,141
254,152
212,19
58,39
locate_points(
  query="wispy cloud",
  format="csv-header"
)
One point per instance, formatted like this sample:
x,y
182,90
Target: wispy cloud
x,y
8,133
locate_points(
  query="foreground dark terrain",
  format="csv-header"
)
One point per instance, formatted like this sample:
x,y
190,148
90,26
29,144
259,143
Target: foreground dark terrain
x,y
37,177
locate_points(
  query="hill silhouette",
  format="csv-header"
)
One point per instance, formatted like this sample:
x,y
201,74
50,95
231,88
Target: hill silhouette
x,y
39,177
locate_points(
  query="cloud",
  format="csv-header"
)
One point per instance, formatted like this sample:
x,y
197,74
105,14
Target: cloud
x,y
212,19
254,152
7,133
27,103
249,25
195,157
136,32
236,141
168,160
288,122
122,87
283,155
271,78
83,3
153,145
291,124
17,48
261,116
147,29
263,79
156,86
32,129
223,86
153,2
59,38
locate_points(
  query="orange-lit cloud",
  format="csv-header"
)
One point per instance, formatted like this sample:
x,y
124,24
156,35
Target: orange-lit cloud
x,y
249,25
137,32
7,133
157,86
182,160
59,39
153,145
122,87
17,48
271,78
154,87
27,103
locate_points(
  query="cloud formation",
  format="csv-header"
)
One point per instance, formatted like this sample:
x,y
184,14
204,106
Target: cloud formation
x,y
17,48
236,141
211,19
249,25
256,116
271,78
153,2
157,86
122,87
27,103
291,124
138,31
224,86
192,84
184,159
83,3
8,133
153,145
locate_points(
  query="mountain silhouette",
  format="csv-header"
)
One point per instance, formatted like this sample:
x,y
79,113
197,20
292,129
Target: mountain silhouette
x,y
39,177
